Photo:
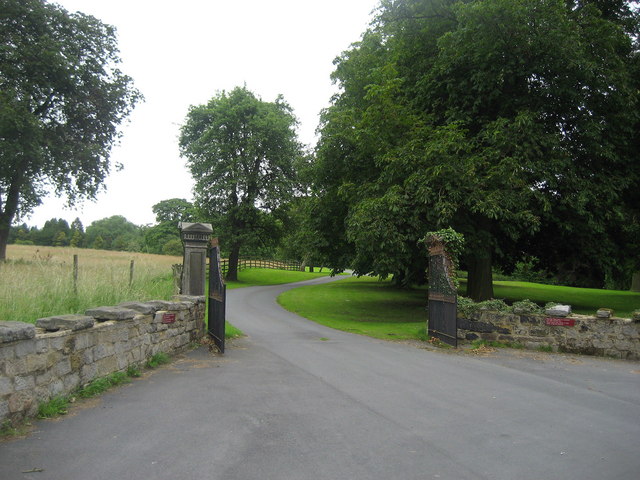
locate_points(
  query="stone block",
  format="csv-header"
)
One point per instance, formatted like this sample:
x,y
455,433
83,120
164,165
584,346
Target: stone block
x,y
36,362
103,350
107,366
24,383
56,388
4,409
111,313
21,402
604,313
559,310
42,345
141,307
159,304
44,378
63,367
15,367
25,347
195,299
88,373
71,382
178,306
6,386
475,326
14,331
65,322
7,352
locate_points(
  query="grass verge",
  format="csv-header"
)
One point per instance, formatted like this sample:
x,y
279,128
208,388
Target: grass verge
x,y
364,306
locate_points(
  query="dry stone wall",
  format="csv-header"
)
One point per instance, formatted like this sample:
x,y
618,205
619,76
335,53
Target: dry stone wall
x,y
58,355
613,337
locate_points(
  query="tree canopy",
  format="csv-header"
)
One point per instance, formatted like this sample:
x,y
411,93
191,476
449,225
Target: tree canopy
x,y
500,118
62,98
241,152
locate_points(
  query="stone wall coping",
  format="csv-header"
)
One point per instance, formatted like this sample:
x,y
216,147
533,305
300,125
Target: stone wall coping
x,y
146,308
65,322
50,327
12,331
577,316
111,313
190,298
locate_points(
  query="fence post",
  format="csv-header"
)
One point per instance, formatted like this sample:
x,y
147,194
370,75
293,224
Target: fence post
x,y
131,273
75,275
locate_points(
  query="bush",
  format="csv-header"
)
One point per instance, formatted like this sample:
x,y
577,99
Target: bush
x,y
466,306
526,306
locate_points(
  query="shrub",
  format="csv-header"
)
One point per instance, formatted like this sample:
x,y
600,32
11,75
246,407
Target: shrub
x,y
526,306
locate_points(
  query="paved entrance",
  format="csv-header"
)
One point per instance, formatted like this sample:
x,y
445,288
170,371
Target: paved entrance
x,y
287,404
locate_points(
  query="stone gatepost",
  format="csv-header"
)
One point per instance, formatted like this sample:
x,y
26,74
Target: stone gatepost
x,y
195,238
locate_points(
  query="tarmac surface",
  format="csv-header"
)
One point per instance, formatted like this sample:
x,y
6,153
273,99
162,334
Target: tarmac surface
x,y
296,400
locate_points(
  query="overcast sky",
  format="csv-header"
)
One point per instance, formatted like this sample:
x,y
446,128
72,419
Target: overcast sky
x,y
182,53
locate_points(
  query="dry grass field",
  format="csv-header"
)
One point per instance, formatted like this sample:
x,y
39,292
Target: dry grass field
x,y
38,281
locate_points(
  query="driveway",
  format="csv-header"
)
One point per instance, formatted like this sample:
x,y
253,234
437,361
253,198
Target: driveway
x,y
296,400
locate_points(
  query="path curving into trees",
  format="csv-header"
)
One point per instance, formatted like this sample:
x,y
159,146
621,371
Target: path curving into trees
x,y
297,400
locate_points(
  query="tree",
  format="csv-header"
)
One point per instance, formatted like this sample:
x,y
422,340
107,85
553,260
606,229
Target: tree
x,y
113,233
174,210
241,151
495,117
62,99
77,233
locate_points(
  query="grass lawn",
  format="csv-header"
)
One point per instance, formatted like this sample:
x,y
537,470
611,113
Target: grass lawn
x,y
363,305
582,300
252,277
375,308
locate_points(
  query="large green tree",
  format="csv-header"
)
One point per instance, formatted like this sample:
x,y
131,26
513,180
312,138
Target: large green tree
x,y
114,233
62,98
241,151
496,117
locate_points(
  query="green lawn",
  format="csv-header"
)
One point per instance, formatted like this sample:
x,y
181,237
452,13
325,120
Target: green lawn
x,y
252,277
363,305
375,308
582,300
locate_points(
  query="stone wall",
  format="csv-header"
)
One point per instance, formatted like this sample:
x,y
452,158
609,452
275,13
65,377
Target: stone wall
x,y
613,337
58,355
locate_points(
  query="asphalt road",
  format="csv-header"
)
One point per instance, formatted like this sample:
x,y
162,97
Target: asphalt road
x,y
295,400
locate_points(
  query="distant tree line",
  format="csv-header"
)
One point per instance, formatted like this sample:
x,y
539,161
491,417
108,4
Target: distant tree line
x,y
113,233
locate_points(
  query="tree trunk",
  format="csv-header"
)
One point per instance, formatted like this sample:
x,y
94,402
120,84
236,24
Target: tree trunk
x,y
480,277
232,272
4,236
635,282
8,211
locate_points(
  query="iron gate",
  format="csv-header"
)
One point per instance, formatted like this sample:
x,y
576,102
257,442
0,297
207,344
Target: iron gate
x,y
217,297
443,303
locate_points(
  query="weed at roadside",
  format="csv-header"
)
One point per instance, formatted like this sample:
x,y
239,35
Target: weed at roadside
x,y
157,360
56,406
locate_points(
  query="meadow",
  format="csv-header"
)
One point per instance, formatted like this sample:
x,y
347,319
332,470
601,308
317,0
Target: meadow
x,y
37,281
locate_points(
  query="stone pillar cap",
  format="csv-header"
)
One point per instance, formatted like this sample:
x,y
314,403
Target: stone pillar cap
x,y
195,227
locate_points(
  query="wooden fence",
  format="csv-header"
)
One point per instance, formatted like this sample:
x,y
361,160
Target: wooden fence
x,y
244,263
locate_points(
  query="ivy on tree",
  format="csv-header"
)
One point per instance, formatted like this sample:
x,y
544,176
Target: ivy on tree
x,y
241,152
62,98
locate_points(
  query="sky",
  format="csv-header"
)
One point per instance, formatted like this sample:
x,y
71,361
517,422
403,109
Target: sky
x,y
183,53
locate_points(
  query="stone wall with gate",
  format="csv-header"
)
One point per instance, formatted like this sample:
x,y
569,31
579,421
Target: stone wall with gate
x,y
613,337
59,355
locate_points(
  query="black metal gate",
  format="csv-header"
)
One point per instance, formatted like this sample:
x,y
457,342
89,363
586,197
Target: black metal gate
x,y
217,297
443,303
